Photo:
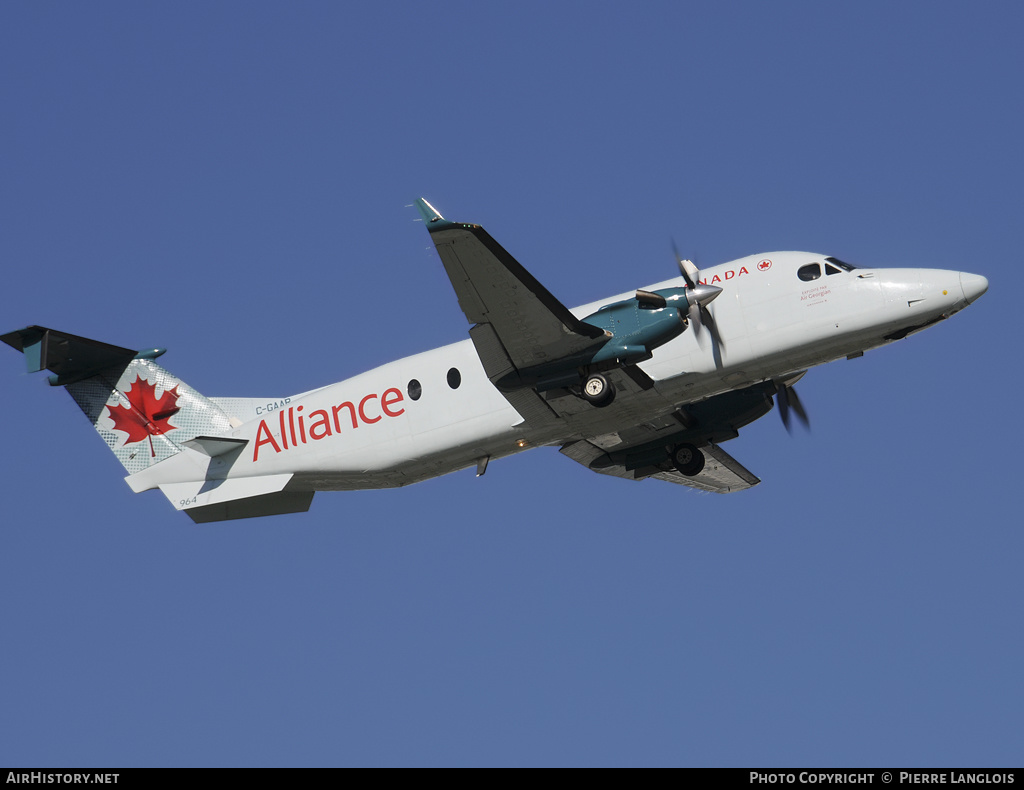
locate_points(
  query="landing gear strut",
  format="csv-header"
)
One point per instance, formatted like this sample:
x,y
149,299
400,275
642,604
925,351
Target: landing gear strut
x,y
688,459
598,391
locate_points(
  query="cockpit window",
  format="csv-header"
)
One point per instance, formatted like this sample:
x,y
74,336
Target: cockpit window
x,y
830,269
812,271
841,264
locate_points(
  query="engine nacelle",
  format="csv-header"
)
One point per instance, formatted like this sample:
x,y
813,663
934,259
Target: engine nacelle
x,y
641,324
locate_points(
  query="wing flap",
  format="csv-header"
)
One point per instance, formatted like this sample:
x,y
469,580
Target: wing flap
x,y
497,363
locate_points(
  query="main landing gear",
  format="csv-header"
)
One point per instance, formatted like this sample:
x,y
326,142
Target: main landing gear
x,y
598,390
688,459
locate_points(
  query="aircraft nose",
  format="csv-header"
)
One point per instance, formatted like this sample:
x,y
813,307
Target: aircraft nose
x,y
973,285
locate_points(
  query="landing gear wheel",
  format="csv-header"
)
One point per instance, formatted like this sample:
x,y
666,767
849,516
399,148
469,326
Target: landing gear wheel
x,y
688,460
598,390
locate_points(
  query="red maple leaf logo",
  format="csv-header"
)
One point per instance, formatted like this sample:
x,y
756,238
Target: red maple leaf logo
x,y
147,415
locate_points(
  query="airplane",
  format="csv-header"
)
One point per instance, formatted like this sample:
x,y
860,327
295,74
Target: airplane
x,y
639,385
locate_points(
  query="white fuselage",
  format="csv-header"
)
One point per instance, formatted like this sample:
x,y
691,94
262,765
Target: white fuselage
x,y
370,432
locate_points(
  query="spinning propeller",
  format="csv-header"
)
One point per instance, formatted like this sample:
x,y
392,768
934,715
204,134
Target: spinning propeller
x,y
700,296
789,399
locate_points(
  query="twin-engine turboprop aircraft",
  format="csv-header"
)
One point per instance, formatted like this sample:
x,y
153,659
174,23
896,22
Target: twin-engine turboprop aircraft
x,y
636,386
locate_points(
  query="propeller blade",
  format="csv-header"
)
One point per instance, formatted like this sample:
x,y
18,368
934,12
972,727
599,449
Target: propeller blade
x,y
697,322
798,407
789,399
686,268
712,325
784,405
690,272
700,296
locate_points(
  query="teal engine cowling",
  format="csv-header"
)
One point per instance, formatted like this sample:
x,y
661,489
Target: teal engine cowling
x,y
641,324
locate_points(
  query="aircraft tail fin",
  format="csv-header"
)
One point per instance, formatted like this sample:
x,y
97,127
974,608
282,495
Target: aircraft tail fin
x,y
143,413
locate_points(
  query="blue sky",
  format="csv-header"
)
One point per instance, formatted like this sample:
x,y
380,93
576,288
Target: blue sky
x,y
230,181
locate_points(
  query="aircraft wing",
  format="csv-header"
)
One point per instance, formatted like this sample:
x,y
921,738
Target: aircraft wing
x,y
520,326
722,474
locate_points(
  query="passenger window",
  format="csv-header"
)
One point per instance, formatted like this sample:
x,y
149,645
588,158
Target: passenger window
x,y
415,390
830,269
454,378
811,271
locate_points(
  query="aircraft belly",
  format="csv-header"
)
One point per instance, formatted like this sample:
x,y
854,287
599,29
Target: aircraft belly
x,y
413,462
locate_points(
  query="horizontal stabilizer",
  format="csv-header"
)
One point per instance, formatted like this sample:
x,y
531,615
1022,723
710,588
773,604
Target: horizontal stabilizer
x,y
266,505
71,357
243,497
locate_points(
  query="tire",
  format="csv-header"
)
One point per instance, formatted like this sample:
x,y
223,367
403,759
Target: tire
x,y
688,460
598,391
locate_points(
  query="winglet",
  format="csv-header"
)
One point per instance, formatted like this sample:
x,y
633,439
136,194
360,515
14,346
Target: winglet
x,y
428,212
